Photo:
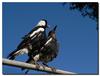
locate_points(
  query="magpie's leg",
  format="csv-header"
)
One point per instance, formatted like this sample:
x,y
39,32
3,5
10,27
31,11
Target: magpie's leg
x,y
52,68
36,58
27,71
31,61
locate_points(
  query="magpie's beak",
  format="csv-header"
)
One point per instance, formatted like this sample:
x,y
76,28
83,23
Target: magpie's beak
x,y
55,28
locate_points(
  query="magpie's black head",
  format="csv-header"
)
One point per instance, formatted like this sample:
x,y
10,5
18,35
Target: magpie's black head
x,y
52,32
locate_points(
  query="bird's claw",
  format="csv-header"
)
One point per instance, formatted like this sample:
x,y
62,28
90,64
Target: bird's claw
x,y
53,69
37,65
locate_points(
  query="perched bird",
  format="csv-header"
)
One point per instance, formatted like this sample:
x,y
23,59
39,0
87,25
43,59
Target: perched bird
x,y
48,51
32,41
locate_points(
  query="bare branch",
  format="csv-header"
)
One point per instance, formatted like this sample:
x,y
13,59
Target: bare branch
x,y
33,67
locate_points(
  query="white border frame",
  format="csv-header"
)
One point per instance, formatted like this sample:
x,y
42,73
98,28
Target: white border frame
x,y
35,1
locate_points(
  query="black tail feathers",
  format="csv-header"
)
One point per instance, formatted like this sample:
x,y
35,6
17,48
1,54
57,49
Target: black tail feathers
x,y
11,55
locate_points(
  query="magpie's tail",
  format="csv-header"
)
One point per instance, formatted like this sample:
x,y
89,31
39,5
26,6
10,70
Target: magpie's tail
x,y
13,54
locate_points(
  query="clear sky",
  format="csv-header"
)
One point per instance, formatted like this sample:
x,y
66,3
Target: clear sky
x,y
76,35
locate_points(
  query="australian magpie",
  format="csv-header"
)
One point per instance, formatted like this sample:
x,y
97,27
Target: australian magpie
x,y
48,51
32,41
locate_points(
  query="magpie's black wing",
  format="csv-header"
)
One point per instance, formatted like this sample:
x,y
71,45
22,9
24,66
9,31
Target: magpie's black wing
x,y
50,51
56,49
38,42
27,39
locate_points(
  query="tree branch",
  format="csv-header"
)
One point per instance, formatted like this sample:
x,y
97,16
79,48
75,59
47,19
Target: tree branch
x,y
33,67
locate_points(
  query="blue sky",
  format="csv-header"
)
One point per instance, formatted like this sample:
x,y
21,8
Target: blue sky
x,y
76,35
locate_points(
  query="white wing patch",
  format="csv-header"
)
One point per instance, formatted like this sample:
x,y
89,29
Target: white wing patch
x,y
37,31
24,51
48,41
36,58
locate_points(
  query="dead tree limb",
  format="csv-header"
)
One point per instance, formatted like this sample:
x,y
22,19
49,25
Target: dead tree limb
x,y
33,67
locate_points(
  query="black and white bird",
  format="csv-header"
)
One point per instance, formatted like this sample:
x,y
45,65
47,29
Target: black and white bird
x,y
32,41
48,52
